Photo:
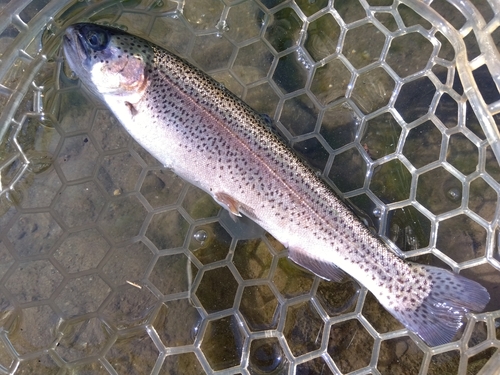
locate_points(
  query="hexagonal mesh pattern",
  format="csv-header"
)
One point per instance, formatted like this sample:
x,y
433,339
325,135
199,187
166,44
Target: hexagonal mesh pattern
x,y
110,264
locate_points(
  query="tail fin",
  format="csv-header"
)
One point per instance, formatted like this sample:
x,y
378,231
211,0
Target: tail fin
x,y
442,312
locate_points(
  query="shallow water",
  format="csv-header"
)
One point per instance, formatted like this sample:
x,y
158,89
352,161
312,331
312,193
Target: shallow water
x,y
111,264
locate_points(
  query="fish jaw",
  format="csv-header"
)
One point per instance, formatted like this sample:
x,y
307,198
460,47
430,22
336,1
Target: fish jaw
x,y
74,51
77,57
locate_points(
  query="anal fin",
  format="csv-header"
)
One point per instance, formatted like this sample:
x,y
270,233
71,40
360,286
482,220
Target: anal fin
x,y
325,270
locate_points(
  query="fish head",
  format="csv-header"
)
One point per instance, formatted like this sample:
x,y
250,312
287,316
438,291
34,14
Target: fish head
x,y
107,60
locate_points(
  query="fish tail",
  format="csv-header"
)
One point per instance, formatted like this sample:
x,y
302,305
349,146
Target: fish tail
x,y
441,313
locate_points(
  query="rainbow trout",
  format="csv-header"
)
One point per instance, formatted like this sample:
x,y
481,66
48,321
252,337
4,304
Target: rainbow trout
x,y
209,137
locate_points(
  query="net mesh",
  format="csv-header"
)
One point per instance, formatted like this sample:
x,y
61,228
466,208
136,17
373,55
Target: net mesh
x,y
111,264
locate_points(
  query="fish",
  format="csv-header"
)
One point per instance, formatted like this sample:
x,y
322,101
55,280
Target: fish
x,y
208,136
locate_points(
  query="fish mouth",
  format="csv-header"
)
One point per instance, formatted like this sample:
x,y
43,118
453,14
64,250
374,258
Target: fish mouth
x,y
74,41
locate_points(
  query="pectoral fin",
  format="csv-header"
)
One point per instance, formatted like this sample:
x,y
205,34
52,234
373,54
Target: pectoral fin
x,y
325,270
132,109
234,207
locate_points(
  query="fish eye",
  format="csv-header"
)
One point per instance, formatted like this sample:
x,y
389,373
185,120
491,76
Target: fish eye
x,y
97,40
